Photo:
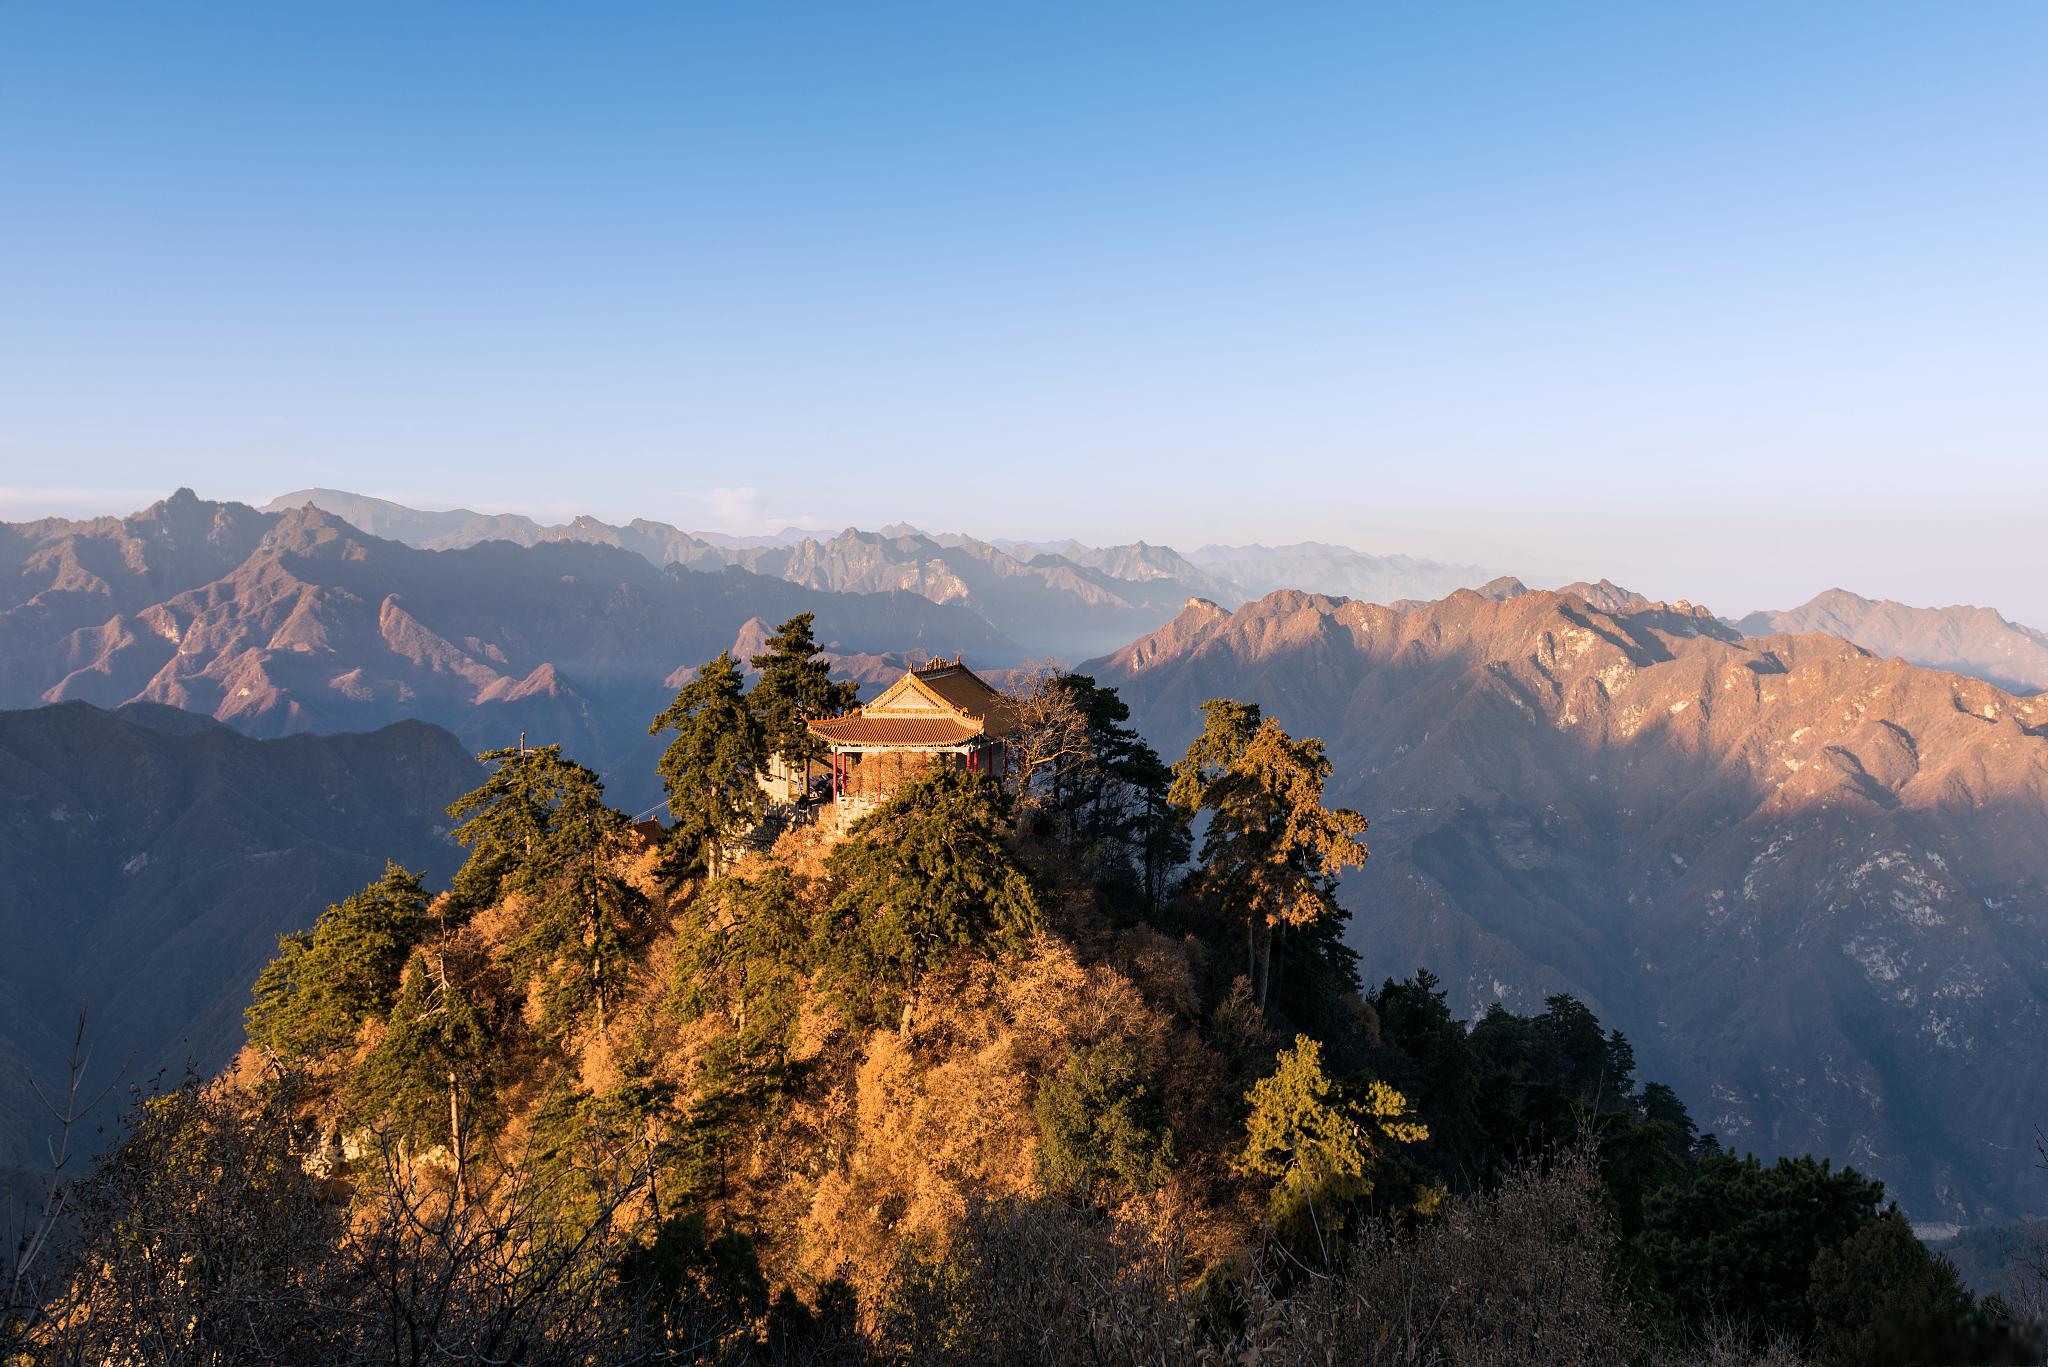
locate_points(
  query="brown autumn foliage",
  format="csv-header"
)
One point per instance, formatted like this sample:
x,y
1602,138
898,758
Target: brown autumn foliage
x,y
897,1161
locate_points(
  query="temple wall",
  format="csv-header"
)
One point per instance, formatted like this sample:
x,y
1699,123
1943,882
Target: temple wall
x,y
883,772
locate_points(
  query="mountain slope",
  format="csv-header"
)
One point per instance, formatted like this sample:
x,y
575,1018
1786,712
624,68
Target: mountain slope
x,y
1968,640
320,627
1811,885
149,874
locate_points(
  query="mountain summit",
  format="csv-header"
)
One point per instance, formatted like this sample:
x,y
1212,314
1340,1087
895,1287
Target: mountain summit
x,y
1969,640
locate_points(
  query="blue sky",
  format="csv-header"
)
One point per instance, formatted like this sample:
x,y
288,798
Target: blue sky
x,y
1727,301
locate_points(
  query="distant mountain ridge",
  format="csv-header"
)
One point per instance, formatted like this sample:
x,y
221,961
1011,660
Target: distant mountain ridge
x,y
1810,884
297,621
152,859
1969,640
1339,571
1059,598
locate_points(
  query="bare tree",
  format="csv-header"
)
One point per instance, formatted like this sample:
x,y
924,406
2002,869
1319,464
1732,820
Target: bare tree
x,y
207,1237
1052,734
23,1280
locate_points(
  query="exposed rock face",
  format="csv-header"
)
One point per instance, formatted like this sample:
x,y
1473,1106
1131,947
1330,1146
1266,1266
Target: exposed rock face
x,y
296,621
153,858
1809,883
1973,641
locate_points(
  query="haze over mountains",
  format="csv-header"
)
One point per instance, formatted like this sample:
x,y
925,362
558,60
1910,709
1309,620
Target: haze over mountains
x,y
1069,600
153,858
1810,884
1969,640
1807,880
1052,598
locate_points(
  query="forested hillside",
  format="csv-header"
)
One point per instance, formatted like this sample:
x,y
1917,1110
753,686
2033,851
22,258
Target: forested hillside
x,y
1077,1068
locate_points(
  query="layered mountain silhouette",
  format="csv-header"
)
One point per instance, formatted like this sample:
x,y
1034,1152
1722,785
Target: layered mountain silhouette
x,y
153,857
1058,598
1317,567
296,621
1811,884
1969,640
1808,880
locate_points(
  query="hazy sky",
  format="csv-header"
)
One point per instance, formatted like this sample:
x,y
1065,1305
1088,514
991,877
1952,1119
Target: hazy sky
x,y
1727,301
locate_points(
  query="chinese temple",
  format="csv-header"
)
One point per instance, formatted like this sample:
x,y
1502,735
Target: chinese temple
x,y
941,712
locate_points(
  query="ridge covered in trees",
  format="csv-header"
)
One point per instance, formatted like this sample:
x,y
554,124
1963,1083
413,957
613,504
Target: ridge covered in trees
x,y
1072,1067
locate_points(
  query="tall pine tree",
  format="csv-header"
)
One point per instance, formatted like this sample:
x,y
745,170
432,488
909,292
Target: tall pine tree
x,y
433,1077
711,769
539,827
795,686
1272,851
325,982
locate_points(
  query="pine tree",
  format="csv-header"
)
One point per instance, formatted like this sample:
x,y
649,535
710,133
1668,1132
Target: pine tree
x,y
325,982
509,822
1272,851
433,1076
1100,1117
795,686
1322,1144
539,826
924,876
1881,1299
583,923
1090,781
711,769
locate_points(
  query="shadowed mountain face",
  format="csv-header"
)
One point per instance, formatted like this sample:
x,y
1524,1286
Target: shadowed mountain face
x,y
153,858
1973,641
296,621
1810,884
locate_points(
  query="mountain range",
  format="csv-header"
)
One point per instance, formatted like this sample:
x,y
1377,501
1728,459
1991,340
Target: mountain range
x,y
1056,598
1969,640
1809,883
153,857
1805,874
296,621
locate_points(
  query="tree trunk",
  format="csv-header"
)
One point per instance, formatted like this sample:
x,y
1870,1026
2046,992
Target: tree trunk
x,y
1265,964
455,1144
653,1185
